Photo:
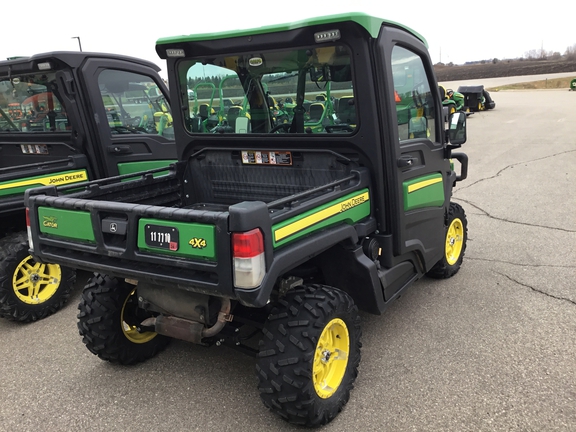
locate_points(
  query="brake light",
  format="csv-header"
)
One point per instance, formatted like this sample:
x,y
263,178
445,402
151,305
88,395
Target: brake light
x,y
248,258
28,230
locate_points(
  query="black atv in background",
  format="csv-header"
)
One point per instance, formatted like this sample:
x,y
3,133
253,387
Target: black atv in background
x,y
476,98
66,118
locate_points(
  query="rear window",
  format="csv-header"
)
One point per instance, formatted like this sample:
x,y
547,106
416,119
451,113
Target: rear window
x,y
31,103
306,90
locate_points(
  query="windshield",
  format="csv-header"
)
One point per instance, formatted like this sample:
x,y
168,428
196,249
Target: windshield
x,y
29,104
306,90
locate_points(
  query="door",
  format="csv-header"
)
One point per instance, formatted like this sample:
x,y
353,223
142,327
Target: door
x,y
418,169
132,117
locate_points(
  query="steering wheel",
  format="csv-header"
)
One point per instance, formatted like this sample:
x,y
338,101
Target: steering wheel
x,y
284,127
135,121
339,127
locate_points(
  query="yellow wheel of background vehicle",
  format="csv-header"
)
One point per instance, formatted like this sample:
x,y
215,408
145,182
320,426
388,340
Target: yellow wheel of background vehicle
x,y
30,290
309,354
331,358
454,245
34,282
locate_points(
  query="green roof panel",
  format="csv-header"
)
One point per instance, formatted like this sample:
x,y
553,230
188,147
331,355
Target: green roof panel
x,y
370,23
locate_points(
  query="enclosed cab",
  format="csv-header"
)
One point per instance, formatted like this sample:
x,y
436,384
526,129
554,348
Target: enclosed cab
x,y
314,178
67,118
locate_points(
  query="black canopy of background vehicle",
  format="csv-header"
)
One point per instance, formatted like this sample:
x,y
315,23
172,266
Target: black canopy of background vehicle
x,y
476,98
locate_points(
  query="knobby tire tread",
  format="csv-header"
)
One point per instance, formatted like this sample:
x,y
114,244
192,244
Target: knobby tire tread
x,y
99,323
287,348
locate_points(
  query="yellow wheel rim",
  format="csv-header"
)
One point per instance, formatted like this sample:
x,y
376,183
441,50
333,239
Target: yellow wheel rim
x,y
129,328
35,283
331,358
454,241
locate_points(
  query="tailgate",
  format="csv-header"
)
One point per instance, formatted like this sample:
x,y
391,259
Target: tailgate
x,y
150,243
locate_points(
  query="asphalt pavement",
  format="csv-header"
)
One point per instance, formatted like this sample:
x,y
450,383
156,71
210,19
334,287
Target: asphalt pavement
x,y
491,349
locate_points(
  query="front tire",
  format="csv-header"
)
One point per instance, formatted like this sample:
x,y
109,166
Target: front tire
x,y
454,245
30,290
309,355
108,320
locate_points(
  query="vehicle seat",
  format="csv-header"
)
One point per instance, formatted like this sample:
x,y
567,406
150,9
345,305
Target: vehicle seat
x,y
346,110
316,112
204,111
233,113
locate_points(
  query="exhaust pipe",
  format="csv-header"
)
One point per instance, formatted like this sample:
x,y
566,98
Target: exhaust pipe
x,y
188,330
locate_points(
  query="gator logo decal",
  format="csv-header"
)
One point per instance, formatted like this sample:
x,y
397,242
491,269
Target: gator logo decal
x,y
50,222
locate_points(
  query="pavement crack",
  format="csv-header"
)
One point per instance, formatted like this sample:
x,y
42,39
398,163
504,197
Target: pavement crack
x,y
468,185
520,264
513,221
536,289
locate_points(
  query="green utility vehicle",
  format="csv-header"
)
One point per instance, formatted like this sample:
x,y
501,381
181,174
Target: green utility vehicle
x,y
65,118
279,233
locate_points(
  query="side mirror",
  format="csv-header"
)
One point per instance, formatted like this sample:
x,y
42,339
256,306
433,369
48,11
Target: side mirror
x,y
457,129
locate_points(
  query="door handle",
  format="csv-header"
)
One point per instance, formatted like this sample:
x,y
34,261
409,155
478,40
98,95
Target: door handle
x,y
119,149
406,161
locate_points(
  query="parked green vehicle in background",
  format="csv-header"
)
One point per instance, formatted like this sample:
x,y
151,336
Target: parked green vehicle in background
x,y
278,233
67,118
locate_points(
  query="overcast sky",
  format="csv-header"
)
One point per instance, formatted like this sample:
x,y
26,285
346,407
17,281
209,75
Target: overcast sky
x,y
457,31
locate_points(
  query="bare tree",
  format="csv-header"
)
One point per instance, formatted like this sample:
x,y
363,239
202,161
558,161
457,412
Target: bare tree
x,y
538,54
571,52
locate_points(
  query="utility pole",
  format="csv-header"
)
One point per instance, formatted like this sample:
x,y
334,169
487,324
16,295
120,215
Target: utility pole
x,y
79,44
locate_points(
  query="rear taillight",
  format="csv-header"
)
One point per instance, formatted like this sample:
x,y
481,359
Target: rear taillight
x,y
28,230
248,258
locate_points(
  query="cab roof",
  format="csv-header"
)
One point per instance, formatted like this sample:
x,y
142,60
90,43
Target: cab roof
x,y
370,23
70,58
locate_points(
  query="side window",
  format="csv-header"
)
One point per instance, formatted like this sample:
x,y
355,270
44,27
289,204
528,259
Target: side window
x,y
27,104
412,96
134,104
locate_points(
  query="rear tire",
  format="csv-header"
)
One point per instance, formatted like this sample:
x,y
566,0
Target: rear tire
x,y
29,290
309,355
454,245
109,315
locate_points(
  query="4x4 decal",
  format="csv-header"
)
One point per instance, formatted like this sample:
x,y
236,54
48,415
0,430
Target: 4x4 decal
x,y
197,243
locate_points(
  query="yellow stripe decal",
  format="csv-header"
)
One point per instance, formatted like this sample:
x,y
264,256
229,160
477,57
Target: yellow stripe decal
x,y
423,184
59,179
308,221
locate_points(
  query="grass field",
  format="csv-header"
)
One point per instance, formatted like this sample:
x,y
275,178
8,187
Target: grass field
x,y
557,83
